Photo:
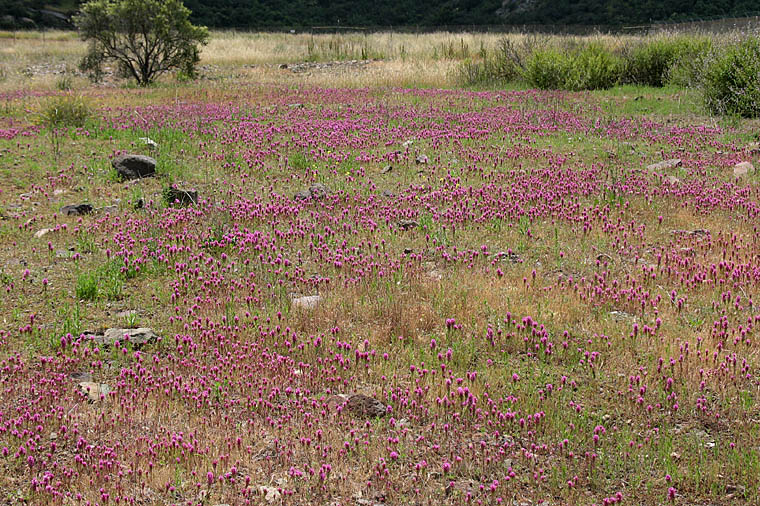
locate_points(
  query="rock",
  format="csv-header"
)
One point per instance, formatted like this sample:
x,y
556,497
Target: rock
x,y
179,196
137,337
743,169
318,191
76,209
509,255
386,169
152,145
94,391
283,66
109,209
42,232
302,195
134,166
665,165
363,406
407,144
388,193
673,180
621,316
407,224
271,494
307,302
296,106
422,159
80,376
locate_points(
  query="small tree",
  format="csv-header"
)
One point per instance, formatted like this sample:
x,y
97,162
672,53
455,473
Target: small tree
x,y
144,37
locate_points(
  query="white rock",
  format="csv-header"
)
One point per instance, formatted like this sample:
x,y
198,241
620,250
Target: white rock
x,y
307,302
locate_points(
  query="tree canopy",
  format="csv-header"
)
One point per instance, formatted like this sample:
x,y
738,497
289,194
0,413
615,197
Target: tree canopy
x,y
144,37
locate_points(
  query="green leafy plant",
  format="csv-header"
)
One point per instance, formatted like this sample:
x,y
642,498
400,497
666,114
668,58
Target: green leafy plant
x,y
547,69
145,38
731,83
87,286
593,67
651,62
61,113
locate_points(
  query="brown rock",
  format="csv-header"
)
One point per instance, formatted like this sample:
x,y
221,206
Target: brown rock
x,y
363,406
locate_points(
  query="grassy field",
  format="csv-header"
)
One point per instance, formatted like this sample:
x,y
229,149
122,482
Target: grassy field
x,y
508,304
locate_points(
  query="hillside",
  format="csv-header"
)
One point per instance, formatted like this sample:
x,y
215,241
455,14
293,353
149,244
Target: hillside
x,y
302,13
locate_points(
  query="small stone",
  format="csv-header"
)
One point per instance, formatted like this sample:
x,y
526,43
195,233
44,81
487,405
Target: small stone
x,y
743,169
76,209
386,169
315,191
271,494
407,144
422,159
302,195
80,376
152,145
307,302
318,191
180,197
665,165
388,193
94,391
407,224
109,209
42,232
673,180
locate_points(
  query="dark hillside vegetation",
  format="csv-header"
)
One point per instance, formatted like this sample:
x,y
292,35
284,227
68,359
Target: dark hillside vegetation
x,y
251,14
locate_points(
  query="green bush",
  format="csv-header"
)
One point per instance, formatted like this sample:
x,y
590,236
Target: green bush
x,y
686,70
501,65
589,67
593,67
547,69
650,63
65,112
731,83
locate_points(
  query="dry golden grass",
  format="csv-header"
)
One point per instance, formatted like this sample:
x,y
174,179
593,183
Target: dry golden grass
x,y
38,60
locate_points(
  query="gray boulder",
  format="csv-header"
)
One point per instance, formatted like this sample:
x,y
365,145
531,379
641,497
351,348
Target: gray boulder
x,y
76,209
137,337
134,166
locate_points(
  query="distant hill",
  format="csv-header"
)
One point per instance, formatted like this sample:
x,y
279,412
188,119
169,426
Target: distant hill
x,y
253,14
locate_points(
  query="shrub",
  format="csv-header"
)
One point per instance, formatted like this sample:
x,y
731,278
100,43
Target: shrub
x,y
593,67
547,69
731,83
589,67
65,112
686,70
61,113
650,62
502,65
